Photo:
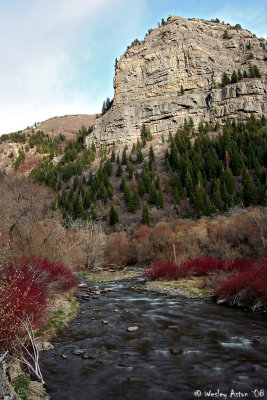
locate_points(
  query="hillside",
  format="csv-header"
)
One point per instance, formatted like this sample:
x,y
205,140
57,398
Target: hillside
x,y
55,132
176,73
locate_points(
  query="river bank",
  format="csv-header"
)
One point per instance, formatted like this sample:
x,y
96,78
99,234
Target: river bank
x,y
18,383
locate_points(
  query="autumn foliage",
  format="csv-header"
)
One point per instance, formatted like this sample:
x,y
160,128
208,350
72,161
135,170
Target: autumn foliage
x,y
244,283
248,288
26,285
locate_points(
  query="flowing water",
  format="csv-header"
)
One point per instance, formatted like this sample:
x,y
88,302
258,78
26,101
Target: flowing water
x,y
218,353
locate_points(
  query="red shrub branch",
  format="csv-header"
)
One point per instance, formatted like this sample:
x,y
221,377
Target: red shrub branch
x,y
25,285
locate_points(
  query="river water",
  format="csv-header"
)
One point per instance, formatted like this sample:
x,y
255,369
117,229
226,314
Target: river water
x,y
218,360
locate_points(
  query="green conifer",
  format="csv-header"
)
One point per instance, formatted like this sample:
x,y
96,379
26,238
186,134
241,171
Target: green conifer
x,y
145,215
113,216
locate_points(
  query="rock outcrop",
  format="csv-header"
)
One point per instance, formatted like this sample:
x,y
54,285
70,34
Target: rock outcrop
x,y
193,54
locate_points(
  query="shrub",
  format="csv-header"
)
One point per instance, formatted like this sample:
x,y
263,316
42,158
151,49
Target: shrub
x,y
247,289
201,266
163,270
25,287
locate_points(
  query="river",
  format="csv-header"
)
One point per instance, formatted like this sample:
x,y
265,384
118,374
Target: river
x,y
219,358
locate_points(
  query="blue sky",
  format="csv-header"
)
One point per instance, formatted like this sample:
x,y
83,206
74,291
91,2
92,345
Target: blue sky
x,y
57,56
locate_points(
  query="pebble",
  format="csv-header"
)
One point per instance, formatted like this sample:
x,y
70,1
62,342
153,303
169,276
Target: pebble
x,y
132,328
104,322
123,365
78,352
134,379
64,357
176,350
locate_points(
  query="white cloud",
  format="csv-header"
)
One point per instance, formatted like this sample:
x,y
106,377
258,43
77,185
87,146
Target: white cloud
x,y
37,43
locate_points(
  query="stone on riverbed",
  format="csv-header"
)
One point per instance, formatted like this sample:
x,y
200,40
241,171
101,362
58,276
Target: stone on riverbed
x,y
132,328
78,352
104,322
176,350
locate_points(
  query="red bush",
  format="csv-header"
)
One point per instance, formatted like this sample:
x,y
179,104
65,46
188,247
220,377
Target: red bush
x,y
25,285
248,288
201,266
163,270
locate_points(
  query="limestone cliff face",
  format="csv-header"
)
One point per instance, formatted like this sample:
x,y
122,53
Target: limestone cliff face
x,y
191,53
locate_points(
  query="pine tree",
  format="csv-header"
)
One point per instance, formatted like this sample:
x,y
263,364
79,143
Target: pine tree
x,y
249,189
141,188
225,79
239,74
234,77
113,216
251,71
124,158
151,154
216,194
153,195
182,90
136,200
75,183
166,187
160,199
87,200
188,183
81,190
113,156
145,215
176,196
123,184
139,156
119,170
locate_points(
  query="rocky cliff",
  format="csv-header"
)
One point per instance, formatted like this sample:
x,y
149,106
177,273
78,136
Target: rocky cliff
x,y
193,54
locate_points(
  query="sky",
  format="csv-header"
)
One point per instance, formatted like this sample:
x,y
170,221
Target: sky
x,y
57,56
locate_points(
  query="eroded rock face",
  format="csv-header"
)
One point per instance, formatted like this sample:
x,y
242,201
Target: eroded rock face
x,y
191,53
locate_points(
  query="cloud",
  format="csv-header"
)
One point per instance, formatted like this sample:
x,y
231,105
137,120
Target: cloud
x,y
39,42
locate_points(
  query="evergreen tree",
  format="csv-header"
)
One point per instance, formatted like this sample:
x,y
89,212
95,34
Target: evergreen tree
x,y
166,187
251,71
81,190
119,170
225,79
216,194
160,199
153,195
234,77
123,184
176,196
188,183
113,216
78,208
151,154
145,215
87,200
239,74
230,181
130,170
124,158
249,189
113,156
141,188
157,182
136,200
75,183
245,75
139,156
182,90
